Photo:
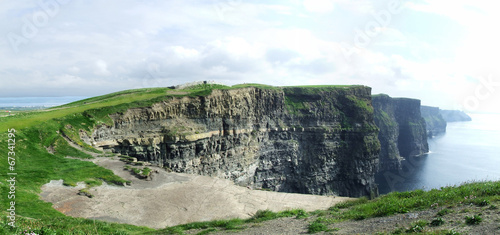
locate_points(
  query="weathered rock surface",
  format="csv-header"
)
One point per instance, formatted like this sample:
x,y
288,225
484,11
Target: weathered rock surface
x,y
402,130
433,120
302,140
455,116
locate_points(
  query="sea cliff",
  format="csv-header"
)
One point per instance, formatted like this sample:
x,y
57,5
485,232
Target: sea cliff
x,y
315,140
402,130
455,116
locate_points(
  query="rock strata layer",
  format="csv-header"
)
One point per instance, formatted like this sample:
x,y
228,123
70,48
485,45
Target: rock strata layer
x,y
299,139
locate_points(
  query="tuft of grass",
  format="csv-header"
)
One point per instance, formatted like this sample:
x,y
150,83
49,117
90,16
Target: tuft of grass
x,y
437,222
316,227
417,227
264,215
481,202
444,212
473,220
320,224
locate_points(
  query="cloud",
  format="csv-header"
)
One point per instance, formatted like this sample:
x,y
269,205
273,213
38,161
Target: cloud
x,y
94,47
101,68
319,6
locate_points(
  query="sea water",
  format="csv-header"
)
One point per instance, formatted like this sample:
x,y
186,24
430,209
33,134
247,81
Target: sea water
x,y
467,152
37,101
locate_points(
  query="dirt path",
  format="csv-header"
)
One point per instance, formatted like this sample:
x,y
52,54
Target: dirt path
x,y
172,198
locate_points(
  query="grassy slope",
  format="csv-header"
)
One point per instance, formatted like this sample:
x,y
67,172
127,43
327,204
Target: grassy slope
x,y
39,130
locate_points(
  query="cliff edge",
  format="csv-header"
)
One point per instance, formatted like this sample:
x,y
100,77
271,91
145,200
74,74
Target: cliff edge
x,y
314,140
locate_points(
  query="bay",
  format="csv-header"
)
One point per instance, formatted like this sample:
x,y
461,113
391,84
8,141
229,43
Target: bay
x,y
6,102
467,152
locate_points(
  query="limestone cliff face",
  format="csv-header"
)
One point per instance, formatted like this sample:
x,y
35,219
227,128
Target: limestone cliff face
x,y
433,120
303,140
402,130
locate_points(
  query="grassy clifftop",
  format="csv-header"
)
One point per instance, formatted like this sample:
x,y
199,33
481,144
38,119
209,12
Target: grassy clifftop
x,y
101,106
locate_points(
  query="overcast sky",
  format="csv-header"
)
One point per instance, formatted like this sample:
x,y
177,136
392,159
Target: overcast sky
x,y
440,51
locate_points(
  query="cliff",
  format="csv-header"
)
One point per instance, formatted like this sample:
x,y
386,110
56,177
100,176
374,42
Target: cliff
x,y
402,130
455,116
315,140
433,120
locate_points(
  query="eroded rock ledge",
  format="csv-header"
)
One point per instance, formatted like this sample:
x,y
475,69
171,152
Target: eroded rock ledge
x,y
303,139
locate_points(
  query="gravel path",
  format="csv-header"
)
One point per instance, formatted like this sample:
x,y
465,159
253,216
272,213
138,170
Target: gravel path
x,y
172,198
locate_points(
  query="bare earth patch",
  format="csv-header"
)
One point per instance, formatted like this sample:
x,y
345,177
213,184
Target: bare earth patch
x,y
172,198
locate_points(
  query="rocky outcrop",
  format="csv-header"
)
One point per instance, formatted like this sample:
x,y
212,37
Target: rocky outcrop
x,y
433,120
402,130
455,116
303,140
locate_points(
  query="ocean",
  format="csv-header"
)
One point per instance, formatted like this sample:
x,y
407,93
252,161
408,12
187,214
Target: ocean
x,y
18,102
467,152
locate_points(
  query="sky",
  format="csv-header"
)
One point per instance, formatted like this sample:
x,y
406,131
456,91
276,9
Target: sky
x,y
442,52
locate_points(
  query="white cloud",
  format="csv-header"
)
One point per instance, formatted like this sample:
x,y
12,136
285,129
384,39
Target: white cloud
x,y
320,6
101,68
116,45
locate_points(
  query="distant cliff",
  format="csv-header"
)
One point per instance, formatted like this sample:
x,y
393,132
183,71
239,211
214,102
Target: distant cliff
x,y
434,120
315,140
455,116
402,130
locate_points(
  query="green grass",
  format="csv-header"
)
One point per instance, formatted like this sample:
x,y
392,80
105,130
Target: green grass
x,y
473,220
403,202
35,166
233,224
67,226
256,85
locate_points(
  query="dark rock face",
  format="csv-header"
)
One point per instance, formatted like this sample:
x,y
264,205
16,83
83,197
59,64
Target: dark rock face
x,y
302,140
455,116
402,130
433,120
